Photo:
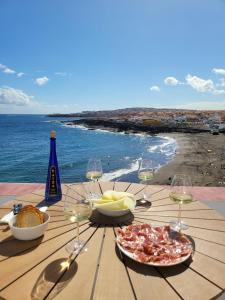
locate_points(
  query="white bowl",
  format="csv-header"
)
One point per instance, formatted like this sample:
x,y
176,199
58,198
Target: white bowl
x,y
29,233
113,213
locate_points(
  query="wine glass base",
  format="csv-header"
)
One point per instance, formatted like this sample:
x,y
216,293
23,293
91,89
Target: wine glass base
x,y
178,225
75,247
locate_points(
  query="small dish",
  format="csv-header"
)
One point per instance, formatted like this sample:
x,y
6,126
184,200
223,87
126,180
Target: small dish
x,y
29,233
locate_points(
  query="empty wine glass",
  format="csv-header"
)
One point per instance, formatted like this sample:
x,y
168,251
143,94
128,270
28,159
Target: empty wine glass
x,y
94,169
181,193
77,208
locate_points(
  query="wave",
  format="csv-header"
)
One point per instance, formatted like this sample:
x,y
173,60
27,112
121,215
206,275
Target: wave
x,y
120,172
168,147
51,121
75,126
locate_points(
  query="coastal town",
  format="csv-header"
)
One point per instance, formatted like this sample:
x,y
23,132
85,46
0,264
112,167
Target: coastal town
x,y
151,119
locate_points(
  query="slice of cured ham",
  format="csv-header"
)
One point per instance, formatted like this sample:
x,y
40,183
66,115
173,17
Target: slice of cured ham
x,y
154,244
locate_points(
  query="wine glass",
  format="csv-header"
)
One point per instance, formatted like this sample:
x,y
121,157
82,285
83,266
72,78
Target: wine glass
x,y
77,208
145,173
146,170
181,193
94,169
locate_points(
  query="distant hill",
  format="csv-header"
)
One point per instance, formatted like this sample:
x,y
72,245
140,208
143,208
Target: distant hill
x,y
140,111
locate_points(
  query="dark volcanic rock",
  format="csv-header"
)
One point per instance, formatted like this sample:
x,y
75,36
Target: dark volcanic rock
x,y
128,126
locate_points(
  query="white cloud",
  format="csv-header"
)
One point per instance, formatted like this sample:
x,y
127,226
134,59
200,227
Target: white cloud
x,y
207,105
9,71
11,96
6,70
171,81
218,92
63,74
2,67
20,74
41,80
199,84
202,85
154,88
222,82
219,71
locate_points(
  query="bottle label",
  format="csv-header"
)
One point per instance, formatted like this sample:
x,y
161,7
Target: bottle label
x,y
53,186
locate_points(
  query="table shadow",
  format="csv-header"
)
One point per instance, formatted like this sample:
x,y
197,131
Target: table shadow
x,y
13,247
54,278
99,219
4,227
140,203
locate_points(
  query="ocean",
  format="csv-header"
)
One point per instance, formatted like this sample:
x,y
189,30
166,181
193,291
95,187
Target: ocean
x,y
24,150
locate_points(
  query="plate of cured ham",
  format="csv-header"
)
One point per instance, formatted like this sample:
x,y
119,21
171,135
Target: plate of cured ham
x,y
154,245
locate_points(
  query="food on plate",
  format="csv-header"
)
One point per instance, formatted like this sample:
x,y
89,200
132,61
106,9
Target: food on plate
x,y
112,200
29,216
113,195
154,244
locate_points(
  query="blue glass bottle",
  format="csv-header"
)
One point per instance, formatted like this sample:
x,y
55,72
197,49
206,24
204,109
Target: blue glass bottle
x,y
53,192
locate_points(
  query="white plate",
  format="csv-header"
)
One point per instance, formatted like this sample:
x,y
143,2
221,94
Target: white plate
x,y
132,256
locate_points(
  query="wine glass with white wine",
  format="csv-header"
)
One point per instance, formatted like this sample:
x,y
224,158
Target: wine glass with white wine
x,y
94,169
145,174
77,208
181,193
146,170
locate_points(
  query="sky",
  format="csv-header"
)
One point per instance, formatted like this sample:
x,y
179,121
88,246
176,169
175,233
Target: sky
x,y
64,56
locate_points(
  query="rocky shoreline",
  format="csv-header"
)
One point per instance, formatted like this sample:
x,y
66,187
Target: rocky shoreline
x,y
199,154
118,125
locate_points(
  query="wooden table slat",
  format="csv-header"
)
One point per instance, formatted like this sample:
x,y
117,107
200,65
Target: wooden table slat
x,y
42,278
106,186
148,283
112,280
189,284
15,266
216,271
102,273
121,186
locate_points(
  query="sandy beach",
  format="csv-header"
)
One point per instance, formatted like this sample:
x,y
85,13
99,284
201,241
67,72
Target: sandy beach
x,y
200,155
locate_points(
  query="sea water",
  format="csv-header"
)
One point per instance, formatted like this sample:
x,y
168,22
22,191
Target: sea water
x,y
24,150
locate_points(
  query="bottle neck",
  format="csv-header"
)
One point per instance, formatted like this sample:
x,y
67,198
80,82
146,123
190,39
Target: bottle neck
x,y
52,145
52,142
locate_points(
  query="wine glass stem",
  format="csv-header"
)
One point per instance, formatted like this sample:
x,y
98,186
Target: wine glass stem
x,y
179,215
78,231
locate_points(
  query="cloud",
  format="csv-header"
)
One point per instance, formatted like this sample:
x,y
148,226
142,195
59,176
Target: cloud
x,y
154,88
218,71
171,81
222,82
11,96
20,74
6,70
2,67
204,105
41,80
63,74
202,85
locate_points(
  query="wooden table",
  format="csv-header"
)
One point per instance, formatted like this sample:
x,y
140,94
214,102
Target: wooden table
x,y
36,269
